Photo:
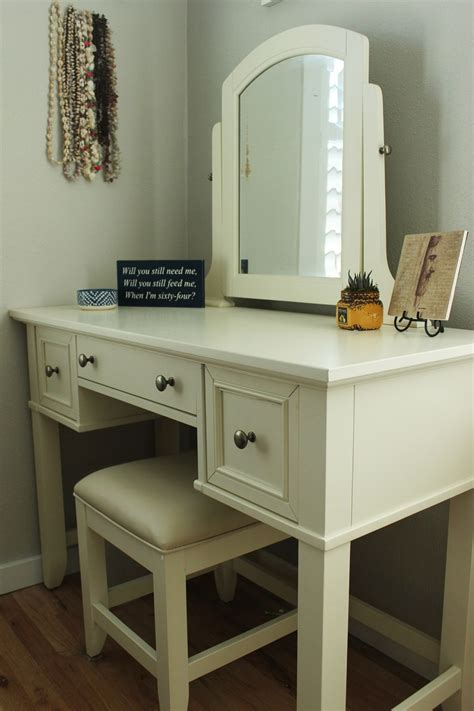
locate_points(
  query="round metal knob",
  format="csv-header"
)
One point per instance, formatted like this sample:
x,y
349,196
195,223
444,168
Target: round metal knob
x,y
385,150
241,439
84,360
49,370
162,383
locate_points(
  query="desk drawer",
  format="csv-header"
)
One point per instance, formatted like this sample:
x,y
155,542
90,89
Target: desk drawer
x,y
252,438
57,382
135,370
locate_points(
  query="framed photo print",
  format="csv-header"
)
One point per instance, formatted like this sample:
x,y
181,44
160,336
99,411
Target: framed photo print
x,y
427,275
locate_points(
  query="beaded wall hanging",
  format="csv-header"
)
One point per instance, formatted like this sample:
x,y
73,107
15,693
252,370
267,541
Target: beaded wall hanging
x,y
82,82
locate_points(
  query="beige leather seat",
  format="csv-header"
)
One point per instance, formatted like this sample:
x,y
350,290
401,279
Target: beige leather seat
x,y
150,510
131,493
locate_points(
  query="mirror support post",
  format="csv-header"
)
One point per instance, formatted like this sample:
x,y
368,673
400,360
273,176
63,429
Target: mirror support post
x,y
375,228
215,278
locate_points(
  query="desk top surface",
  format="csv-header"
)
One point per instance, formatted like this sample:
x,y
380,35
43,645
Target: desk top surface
x,y
297,345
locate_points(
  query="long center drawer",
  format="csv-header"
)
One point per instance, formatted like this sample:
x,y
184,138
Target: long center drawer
x,y
135,370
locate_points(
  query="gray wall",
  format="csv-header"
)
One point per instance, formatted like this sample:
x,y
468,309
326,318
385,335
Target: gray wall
x,y
57,237
421,56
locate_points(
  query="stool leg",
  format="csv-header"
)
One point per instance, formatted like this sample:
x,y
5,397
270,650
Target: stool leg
x,y
169,589
226,580
93,579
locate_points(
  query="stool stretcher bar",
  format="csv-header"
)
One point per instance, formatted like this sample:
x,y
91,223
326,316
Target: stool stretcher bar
x,y
203,662
434,693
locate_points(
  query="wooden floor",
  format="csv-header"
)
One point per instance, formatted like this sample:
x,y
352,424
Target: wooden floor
x,y
42,664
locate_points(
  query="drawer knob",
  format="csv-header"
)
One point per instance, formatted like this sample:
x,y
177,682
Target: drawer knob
x,y
162,383
84,360
241,439
49,370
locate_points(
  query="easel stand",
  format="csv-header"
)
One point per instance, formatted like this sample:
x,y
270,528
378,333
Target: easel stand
x,y
402,323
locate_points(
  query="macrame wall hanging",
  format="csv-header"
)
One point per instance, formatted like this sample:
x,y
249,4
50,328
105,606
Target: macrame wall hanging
x,y
82,83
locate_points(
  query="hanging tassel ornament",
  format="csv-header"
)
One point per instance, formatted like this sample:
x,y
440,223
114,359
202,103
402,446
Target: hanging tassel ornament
x,y
106,95
70,90
55,33
82,79
88,146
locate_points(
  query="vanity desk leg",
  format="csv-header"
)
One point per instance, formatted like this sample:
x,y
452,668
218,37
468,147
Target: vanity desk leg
x,y
49,489
323,609
49,492
457,636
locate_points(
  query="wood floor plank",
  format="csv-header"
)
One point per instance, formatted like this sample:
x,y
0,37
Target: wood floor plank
x,y
116,674
42,655
44,611
13,691
35,684
67,672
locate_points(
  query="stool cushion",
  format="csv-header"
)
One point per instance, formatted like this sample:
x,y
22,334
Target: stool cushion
x,y
155,500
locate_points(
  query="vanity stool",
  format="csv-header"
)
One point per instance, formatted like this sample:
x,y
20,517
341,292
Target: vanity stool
x,y
150,510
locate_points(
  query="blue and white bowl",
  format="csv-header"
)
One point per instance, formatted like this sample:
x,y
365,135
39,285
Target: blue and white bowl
x,y
97,299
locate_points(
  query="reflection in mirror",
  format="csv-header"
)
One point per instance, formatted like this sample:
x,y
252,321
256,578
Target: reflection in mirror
x,y
291,147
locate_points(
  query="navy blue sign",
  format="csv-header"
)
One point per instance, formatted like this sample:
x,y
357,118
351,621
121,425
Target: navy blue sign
x,y
165,282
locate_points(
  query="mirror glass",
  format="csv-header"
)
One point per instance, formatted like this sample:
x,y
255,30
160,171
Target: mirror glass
x,y
291,149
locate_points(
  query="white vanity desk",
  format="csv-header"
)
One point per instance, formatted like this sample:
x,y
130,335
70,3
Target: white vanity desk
x,y
353,432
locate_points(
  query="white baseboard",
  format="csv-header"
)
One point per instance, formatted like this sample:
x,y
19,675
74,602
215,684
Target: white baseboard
x,y
400,653
395,638
20,574
391,636
26,572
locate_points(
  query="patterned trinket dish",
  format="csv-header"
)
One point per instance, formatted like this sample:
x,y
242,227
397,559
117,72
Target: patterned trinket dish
x,y
97,299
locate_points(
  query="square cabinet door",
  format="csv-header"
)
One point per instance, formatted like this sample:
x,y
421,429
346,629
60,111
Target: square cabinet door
x,y
57,380
252,438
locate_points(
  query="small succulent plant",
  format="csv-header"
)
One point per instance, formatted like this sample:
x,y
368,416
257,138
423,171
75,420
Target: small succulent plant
x,y
361,282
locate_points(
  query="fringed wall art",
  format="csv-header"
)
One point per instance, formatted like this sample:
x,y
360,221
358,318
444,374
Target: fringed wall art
x,y
82,83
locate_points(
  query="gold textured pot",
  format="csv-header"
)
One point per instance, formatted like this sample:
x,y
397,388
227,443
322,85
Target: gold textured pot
x,y
359,310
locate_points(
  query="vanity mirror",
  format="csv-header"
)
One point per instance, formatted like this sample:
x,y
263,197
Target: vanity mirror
x,y
298,171
291,144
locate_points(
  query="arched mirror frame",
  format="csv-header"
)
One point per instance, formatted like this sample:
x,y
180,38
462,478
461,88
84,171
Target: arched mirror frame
x,y
363,186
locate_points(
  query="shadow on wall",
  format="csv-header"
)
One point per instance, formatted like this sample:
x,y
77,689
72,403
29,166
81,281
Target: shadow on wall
x,y
412,185
430,171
